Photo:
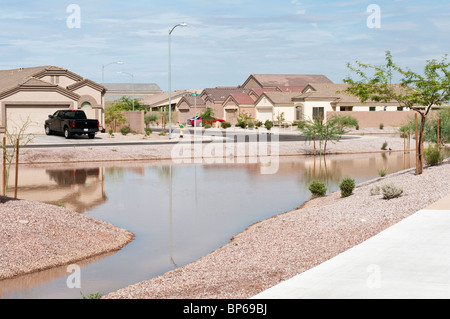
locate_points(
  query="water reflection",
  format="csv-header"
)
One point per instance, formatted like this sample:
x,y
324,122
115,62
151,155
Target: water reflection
x,y
177,212
77,188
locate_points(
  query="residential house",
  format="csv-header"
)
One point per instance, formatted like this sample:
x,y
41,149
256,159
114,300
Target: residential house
x,y
238,103
215,97
116,91
29,95
323,100
273,106
317,99
189,106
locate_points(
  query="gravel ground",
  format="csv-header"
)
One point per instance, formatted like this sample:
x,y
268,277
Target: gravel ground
x,y
37,236
281,247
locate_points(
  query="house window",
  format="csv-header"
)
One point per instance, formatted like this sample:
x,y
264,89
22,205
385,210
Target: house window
x,y
400,108
86,105
372,109
319,112
299,113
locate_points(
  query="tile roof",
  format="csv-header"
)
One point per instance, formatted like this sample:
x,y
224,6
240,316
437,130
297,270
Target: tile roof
x,y
281,97
14,77
150,87
192,100
221,94
10,79
335,93
242,98
292,80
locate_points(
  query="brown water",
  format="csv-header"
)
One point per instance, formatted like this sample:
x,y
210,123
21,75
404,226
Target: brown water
x,y
178,213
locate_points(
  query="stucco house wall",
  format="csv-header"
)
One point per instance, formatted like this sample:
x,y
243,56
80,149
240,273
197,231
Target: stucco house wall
x,y
31,94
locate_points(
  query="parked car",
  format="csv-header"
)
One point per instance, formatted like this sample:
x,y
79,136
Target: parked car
x,y
197,120
69,122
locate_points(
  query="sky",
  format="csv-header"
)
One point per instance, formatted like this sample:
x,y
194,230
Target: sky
x,y
225,40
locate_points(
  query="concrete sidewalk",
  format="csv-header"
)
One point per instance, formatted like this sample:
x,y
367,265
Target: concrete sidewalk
x,y
406,261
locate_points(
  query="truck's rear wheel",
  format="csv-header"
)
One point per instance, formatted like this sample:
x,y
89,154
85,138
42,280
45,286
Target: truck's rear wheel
x,y
67,134
91,135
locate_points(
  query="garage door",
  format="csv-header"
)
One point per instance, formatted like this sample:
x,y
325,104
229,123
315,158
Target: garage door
x,y
230,116
264,114
18,116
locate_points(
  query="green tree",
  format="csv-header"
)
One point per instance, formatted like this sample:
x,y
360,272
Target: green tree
x,y
207,116
318,129
419,92
125,103
114,116
243,119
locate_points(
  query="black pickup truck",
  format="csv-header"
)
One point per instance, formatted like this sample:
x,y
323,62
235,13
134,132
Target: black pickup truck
x,y
70,122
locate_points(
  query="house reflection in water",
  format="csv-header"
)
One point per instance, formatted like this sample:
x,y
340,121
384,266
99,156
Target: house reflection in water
x,y
76,188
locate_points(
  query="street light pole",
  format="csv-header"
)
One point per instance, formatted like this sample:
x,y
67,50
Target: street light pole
x,y
103,69
132,81
170,79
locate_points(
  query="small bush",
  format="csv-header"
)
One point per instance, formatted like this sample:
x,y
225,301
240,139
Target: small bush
x,y
384,146
207,126
390,191
258,124
347,185
241,124
125,130
375,190
148,131
225,125
268,124
162,133
250,124
317,188
381,126
432,155
382,172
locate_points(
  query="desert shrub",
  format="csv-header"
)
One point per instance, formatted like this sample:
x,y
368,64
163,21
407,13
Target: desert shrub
x,y
207,126
317,188
125,130
432,155
384,146
268,124
250,124
225,125
148,131
347,185
390,191
258,124
382,172
241,124
381,126
375,190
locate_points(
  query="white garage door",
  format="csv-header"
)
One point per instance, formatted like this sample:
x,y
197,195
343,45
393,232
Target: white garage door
x,y
264,114
35,116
